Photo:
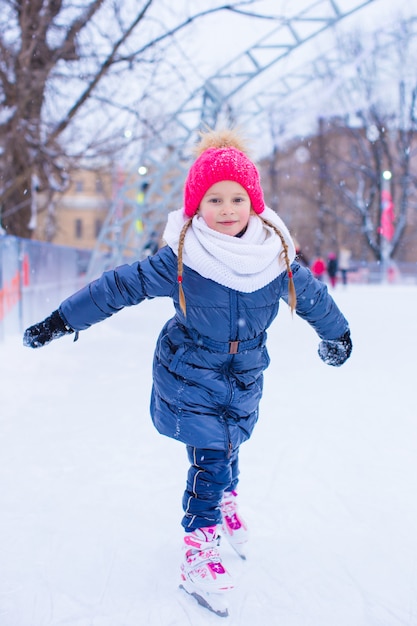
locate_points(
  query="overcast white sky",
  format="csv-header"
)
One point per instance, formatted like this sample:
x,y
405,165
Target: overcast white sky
x,y
217,40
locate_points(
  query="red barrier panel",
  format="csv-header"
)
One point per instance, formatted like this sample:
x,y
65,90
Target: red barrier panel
x,y
11,292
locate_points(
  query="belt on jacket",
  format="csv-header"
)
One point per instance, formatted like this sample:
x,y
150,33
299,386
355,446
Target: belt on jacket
x,y
227,347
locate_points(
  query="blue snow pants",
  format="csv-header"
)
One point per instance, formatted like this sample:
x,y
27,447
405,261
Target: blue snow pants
x,y
212,472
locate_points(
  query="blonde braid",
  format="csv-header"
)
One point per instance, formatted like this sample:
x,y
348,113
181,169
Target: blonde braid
x,y
292,296
180,265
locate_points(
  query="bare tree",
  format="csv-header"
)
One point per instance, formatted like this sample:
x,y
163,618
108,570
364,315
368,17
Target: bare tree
x,y
365,159
71,74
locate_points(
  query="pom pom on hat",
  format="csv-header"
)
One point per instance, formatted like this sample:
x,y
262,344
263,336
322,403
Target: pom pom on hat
x,y
215,165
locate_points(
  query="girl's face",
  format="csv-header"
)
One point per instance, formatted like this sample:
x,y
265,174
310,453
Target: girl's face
x,y
226,207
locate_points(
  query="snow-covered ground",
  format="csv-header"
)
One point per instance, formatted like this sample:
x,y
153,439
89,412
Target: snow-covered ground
x,y
90,529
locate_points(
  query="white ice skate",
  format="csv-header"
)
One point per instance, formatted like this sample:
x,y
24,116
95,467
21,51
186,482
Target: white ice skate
x,y
203,574
234,527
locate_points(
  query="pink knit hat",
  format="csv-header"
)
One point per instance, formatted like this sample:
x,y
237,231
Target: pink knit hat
x,y
215,165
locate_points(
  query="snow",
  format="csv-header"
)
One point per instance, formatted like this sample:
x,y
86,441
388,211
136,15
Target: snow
x,y
91,493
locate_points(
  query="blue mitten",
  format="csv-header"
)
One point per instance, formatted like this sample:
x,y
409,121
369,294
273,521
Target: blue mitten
x,y
44,332
335,351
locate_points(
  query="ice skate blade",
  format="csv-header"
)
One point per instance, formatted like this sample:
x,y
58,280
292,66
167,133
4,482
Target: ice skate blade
x,y
239,548
214,602
238,552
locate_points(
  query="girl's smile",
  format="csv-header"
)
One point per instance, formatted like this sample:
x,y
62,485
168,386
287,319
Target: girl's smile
x,y
226,207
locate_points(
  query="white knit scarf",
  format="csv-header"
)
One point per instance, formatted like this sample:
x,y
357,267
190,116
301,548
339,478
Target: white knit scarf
x,y
245,263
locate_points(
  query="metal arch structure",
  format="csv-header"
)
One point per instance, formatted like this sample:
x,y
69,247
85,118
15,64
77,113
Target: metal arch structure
x,y
120,237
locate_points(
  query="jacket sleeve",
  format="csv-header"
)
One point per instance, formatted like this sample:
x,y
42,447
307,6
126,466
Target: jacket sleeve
x,y
123,286
316,306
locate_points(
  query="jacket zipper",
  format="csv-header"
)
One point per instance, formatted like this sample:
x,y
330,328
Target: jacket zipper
x,y
233,330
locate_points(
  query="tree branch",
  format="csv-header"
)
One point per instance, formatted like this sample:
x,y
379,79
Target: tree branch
x,y
111,59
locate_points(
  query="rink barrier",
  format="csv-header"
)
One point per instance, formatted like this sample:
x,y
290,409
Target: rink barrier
x,y
34,277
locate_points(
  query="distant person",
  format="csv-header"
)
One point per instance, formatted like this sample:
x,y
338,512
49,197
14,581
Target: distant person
x,y
332,267
228,262
344,264
319,268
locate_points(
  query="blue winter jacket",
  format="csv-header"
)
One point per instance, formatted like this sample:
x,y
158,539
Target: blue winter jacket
x,y
208,367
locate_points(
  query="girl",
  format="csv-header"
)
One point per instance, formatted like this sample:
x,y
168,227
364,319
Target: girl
x,y
227,262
